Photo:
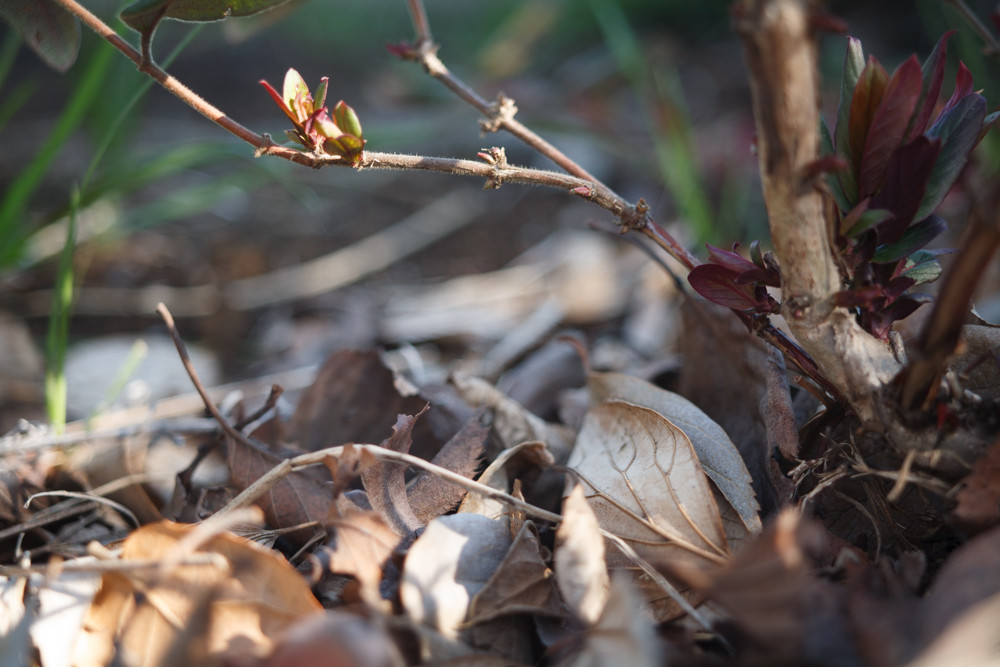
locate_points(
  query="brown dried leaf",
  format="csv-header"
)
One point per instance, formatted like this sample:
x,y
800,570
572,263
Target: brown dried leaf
x,y
353,400
523,584
730,374
500,474
298,498
251,601
361,545
385,482
978,499
335,638
716,453
581,570
430,497
645,484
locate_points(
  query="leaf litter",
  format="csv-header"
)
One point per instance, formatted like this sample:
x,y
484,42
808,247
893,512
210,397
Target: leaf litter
x,y
410,519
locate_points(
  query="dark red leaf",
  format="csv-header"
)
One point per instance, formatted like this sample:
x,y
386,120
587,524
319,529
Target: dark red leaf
x,y
867,96
718,285
730,259
906,181
889,124
933,79
963,88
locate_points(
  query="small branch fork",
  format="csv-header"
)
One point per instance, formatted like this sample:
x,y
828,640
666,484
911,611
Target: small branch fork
x,y
500,116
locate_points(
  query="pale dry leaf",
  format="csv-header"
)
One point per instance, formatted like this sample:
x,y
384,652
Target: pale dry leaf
x,y
623,635
257,596
645,484
62,604
581,570
361,545
447,566
15,623
970,640
716,452
512,423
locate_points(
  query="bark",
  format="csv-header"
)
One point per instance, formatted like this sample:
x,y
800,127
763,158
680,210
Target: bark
x,y
780,49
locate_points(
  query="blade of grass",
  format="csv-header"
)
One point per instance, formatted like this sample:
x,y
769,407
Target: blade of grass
x,y
15,200
58,334
671,138
8,53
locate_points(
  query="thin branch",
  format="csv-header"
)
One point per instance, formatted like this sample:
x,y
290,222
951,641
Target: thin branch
x,y
992,47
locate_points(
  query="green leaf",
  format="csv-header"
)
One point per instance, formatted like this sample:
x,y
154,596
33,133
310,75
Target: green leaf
x,y
913,239
833,177
346,119
923,267
50,31
854,63
144,15
958,129
868,220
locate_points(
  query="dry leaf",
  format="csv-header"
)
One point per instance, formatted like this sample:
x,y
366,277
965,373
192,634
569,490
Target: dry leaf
x,y
970,640
645,484
623,635
523,584
430,497
717,454
511,422
354,399
298,498
501,473
335,639
360,547
447,566
257,596
978,498
581,570
385,483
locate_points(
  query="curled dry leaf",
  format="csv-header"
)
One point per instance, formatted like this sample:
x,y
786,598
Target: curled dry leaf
x,y
248,603
717,454
385,484
501,473
362,543
448,565
581,571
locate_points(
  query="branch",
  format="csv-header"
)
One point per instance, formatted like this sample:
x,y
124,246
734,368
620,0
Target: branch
x,y
780,50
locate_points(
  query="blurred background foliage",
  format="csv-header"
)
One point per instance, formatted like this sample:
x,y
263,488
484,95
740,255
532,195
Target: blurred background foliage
x,y
649,95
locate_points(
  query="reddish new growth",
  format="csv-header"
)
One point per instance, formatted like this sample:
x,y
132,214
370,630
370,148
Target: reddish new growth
x,y
339,135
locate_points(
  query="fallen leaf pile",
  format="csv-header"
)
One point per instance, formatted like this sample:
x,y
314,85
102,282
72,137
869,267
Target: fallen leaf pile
x,y
384,522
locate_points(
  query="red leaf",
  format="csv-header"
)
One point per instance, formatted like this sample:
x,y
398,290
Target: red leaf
x,y
867,96
889,124
963,87
933,79
718,285
730,259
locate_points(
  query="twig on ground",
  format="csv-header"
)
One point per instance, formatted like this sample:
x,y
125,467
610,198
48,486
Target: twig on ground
x,y
288,466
